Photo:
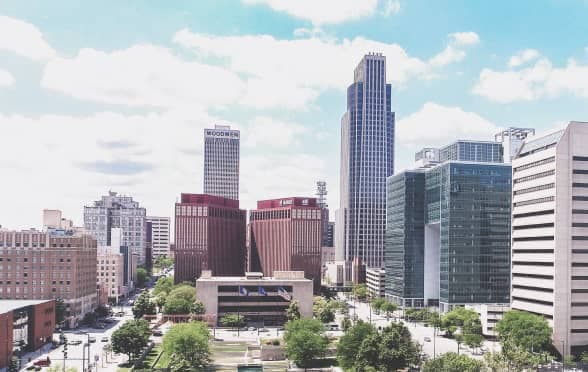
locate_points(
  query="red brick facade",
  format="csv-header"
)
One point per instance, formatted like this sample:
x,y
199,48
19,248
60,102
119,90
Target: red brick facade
x,y
209,235
285,235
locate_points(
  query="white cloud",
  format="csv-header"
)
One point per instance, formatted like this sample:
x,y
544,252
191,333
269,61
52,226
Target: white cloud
x,y
541,80
23,39
523,57
436,125
454,51
323,11
6,78
142,75
71,161
391,7
464,38
268,132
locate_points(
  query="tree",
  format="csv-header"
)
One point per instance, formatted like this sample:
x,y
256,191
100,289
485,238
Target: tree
x,y
388,308
163,262
569,361
184,292
176,306
60,310
131,337
377,304
304,341
323,310
13,366
187,346
198,308
232,320
397,350
451,362
360,291
142,276
584,357
144,306
293,311
350,343
473,341
346,324
164,285
461,318
514,358
102,311
368,354
529,331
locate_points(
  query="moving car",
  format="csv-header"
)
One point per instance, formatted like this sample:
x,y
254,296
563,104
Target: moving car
x,y
43,362
157,332
104,339
75,342
92,339
427,339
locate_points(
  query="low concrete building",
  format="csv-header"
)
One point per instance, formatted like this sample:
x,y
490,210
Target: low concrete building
x,y
25,325
376,282
490,314
260,300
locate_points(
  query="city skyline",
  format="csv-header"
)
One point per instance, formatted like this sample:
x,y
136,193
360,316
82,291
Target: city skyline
x,y
83,102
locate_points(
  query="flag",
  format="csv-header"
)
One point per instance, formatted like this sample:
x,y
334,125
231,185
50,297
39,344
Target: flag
x,y
284,294
261,291
243,291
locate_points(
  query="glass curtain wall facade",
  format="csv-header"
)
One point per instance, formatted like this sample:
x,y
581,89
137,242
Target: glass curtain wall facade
x,y
404,253
448,235
367,159
476,151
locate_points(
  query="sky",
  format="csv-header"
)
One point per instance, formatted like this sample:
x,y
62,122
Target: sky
x,y
114,95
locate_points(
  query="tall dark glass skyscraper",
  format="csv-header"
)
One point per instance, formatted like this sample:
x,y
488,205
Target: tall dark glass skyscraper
x,y
367,159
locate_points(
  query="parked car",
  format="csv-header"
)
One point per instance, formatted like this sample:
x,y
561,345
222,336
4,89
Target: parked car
x,y
75,342
34,368
104,339
92,339
43,362
264,330
157,332
427,339
252,329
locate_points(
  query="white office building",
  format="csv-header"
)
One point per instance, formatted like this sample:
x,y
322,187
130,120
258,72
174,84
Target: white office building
x,y
159,236
221,162
376,282
550,233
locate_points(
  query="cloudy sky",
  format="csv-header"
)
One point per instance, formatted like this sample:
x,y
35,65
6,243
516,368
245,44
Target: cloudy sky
x,y
114,95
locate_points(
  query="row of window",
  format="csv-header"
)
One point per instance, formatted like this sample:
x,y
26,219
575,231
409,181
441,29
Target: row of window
x,y
535,188
534,201
534,164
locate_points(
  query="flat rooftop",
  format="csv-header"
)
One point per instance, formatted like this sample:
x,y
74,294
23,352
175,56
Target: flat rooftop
x,y
244,279
7,306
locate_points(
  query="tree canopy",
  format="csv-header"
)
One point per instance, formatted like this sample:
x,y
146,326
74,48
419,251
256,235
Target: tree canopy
x,y
164,285
293,311
529,331
350,343
142,276
305,341
187,346
452,362
360,291
467,321
131,337
323,310
144,305
232,320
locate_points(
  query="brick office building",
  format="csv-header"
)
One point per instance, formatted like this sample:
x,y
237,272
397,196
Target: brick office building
x,y
26,325
37,265
285,235
209,235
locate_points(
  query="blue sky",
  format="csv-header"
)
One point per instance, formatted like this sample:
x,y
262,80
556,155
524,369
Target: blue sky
x,y
115,95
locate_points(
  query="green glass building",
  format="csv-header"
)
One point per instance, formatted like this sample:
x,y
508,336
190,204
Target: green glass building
x,y
448,235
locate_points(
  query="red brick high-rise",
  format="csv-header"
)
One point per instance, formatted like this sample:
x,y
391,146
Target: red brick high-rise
x,y
209,235
285,235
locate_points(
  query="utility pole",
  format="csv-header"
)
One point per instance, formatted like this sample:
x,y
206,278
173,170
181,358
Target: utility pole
x,y
64,348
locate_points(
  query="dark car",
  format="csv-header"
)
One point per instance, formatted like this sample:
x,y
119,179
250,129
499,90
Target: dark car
x,y
92,339
74,342
157,332
43,362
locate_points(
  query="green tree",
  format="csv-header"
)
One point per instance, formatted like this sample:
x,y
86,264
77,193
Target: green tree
x,y
451,362
514,358
569,361
184,292
13,366
323,310
164,285
461,318
304,341
368,354
584,357
60,310
293,311
144,306
377,304
176,306
142,276
350,343
198,308
474,341
360,291
529,331
232,320
388,308
346,324
397,350
131,337
187,346
163,262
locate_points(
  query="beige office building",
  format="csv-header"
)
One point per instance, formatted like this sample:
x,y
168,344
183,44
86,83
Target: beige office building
x,y
110,276
262,301
550,233
37,265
